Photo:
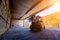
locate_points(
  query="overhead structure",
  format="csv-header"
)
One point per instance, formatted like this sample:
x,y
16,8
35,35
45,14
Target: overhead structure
x,y
40,7
22,9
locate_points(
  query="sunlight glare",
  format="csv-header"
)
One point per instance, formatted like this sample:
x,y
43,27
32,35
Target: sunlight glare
x,y
52,9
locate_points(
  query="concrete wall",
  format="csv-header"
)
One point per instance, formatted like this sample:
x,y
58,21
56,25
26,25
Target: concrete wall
x,y
4,16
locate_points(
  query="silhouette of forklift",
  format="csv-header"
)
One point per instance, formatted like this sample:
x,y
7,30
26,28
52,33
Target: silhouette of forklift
x,y
36,25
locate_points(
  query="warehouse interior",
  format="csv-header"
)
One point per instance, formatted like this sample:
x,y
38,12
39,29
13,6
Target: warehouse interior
x,y
15,24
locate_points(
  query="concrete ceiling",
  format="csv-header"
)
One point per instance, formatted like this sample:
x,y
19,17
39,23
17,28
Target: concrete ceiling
x,y
21,7
25,8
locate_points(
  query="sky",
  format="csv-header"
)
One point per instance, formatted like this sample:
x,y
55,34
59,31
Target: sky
x,y
50,10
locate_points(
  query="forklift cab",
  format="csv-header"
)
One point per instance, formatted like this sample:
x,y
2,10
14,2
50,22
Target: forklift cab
x,y
36,25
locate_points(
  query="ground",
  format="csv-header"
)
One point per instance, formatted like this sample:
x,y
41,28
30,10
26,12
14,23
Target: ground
x,y
18,33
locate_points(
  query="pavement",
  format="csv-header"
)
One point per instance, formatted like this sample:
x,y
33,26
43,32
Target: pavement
x,y
18,33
